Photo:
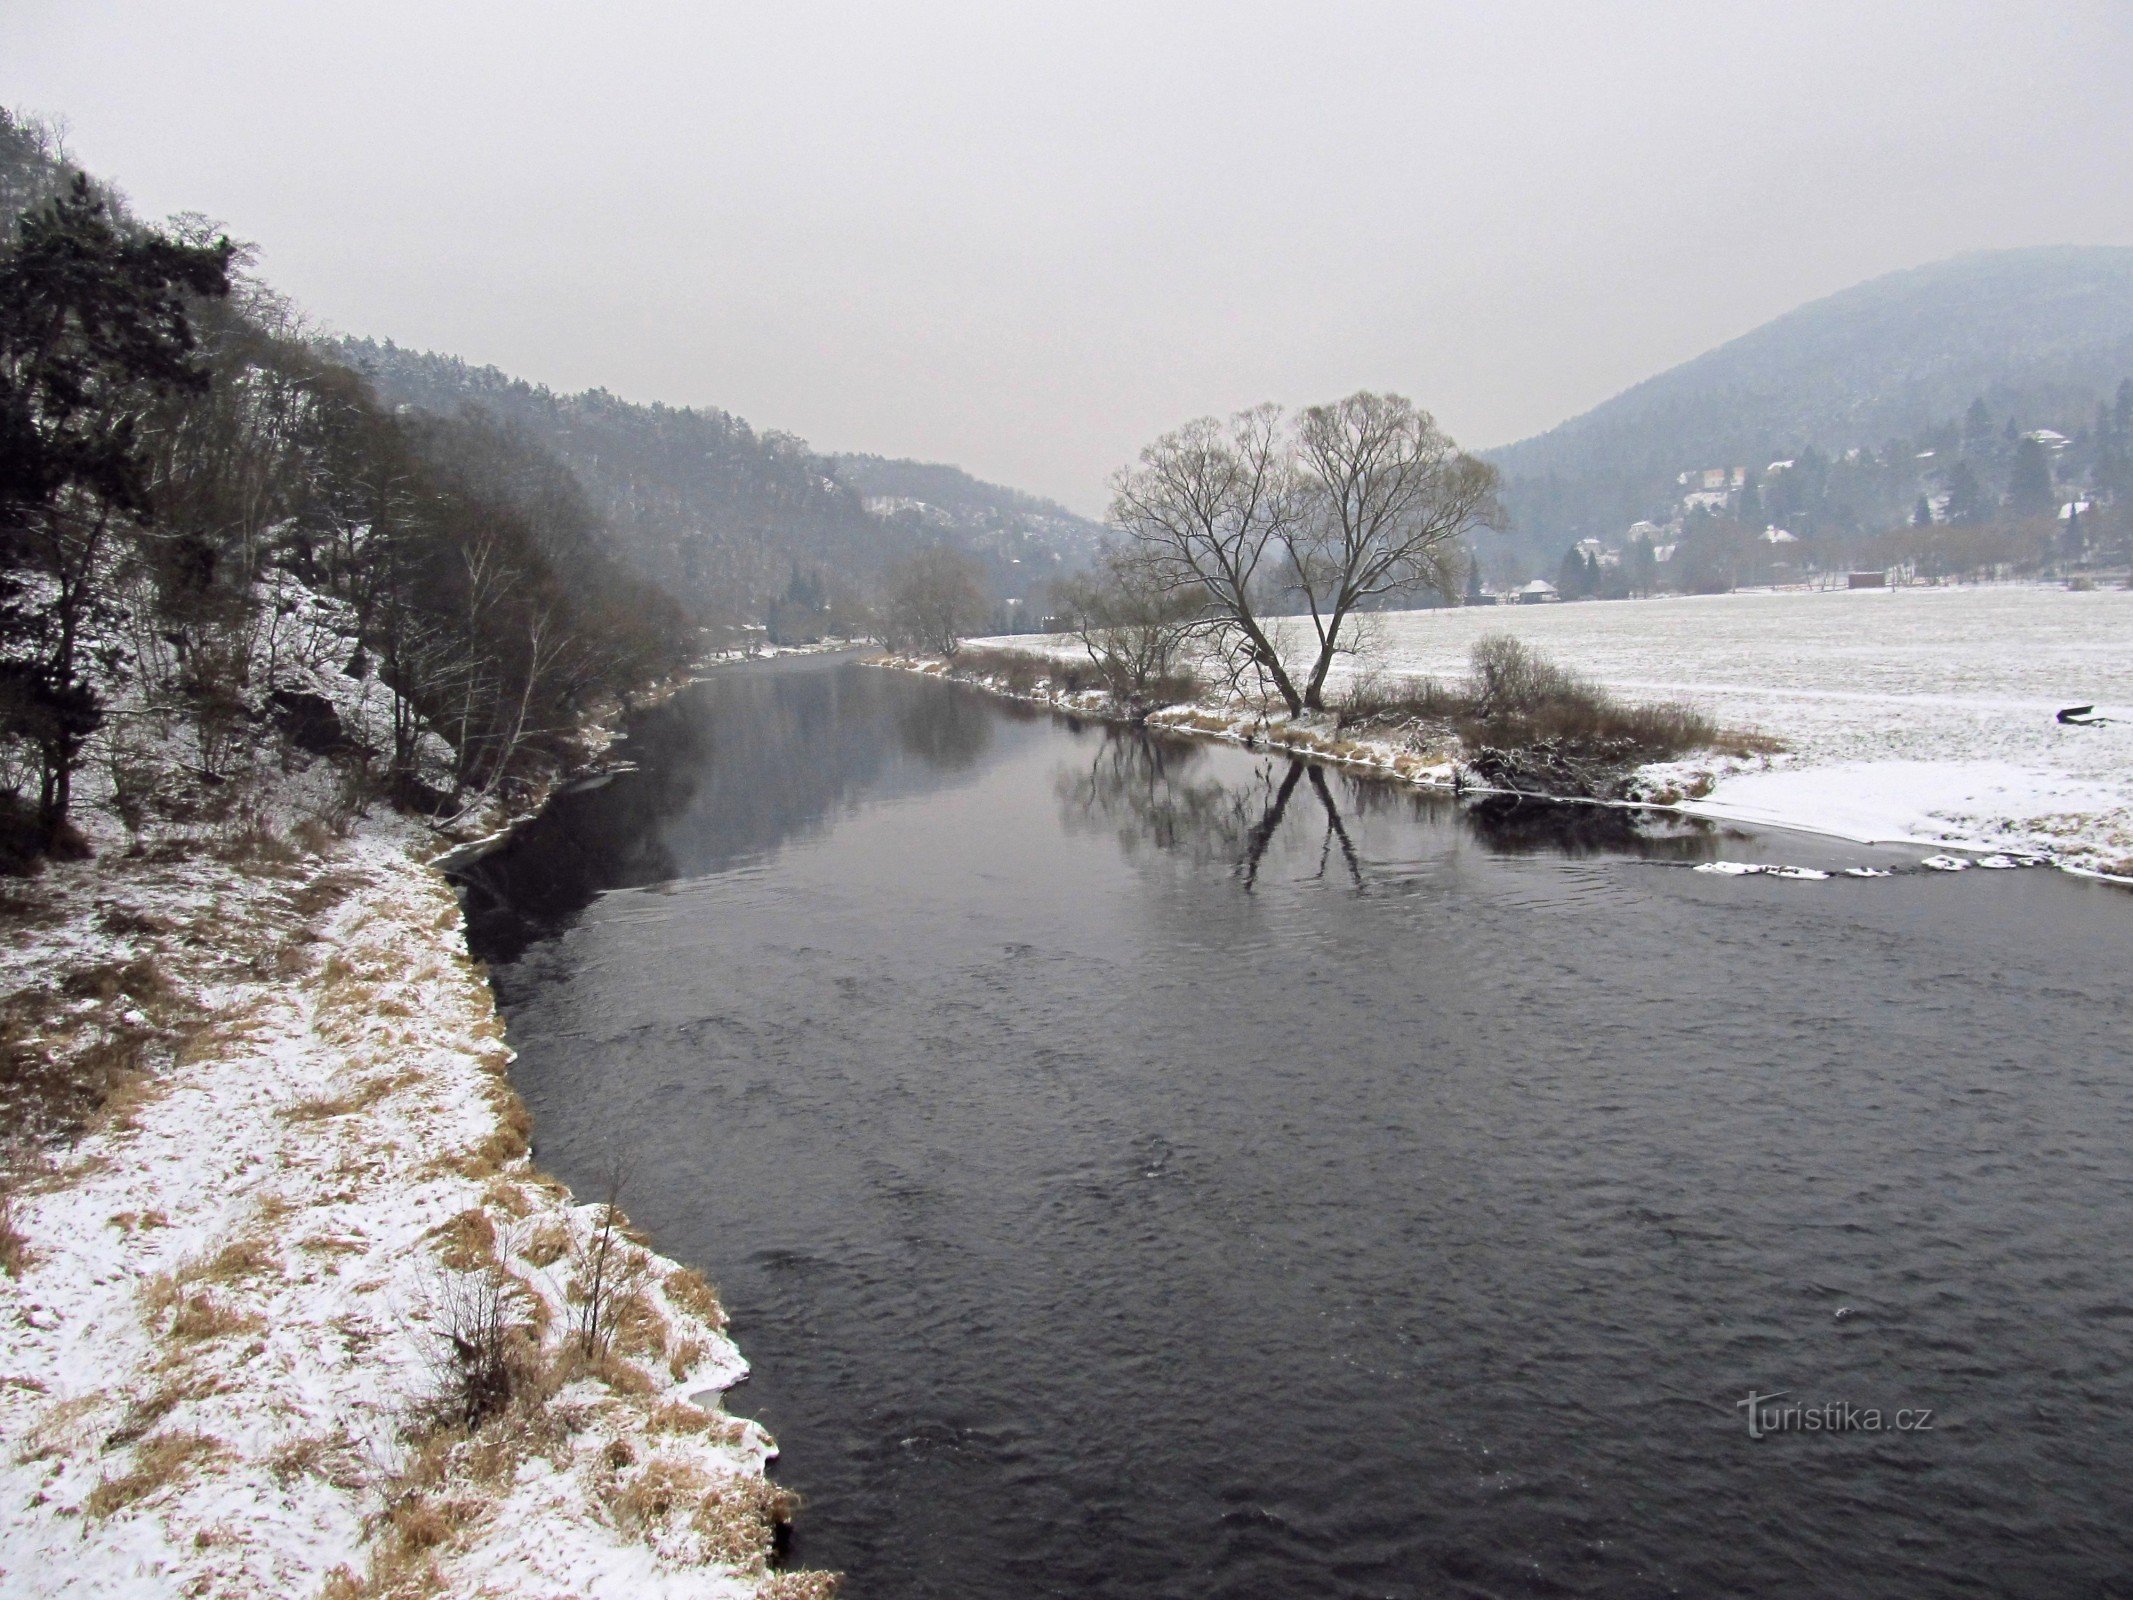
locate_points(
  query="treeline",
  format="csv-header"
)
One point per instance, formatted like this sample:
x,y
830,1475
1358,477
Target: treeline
x,y
180,465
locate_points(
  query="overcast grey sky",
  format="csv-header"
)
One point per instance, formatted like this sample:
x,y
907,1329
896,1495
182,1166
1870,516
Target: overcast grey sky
x,y
1026,238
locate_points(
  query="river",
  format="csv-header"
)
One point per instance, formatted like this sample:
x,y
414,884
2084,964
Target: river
x,y
1140,1168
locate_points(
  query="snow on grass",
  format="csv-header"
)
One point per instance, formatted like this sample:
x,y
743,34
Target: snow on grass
x,y
1923,715
221,1341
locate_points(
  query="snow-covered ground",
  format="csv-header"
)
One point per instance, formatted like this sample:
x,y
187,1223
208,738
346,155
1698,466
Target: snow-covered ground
x,y
1910,714
226,1325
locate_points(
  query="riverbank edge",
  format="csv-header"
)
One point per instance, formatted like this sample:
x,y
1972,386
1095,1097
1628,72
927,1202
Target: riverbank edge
x,y
1674,788
228,1302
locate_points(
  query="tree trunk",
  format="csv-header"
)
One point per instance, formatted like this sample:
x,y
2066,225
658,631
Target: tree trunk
x,y
1314,696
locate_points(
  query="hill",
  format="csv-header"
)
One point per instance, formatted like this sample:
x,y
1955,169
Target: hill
x,y
725,518
2039,336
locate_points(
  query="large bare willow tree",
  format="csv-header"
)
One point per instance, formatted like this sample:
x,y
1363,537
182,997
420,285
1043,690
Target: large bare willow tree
x,y
1323,516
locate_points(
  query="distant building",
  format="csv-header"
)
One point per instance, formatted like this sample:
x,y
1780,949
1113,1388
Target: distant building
x,y
1713,478
1866,580
2051,440
1538,592
1776,535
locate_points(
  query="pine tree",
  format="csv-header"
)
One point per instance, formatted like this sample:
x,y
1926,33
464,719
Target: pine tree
x,y
2029,491
1570,576
1977,425
1966,501
1922,513
1643,566
1750,507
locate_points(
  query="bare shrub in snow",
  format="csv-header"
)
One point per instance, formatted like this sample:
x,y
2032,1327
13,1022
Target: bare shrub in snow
x,y
605,1270
481,1349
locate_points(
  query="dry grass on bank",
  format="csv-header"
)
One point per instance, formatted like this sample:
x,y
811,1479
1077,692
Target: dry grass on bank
x,y
1516,699
1018,672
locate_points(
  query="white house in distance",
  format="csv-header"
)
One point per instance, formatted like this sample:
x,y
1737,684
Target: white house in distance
x,y
1539,592
1705,478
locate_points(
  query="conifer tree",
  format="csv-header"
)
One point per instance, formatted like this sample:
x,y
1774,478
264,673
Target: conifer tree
x,y
2029,491
93,327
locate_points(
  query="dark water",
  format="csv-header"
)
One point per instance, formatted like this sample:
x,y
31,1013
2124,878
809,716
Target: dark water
x,y
1157,1170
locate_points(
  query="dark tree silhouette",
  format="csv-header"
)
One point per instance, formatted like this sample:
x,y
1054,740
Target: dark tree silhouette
x,y
94,328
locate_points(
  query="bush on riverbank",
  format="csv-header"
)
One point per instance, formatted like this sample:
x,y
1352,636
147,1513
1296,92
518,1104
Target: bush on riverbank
x,y
1516,698
1529,724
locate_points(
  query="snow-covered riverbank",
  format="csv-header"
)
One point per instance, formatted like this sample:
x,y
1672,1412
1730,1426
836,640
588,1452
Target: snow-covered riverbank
x,y
226,1357
1916,715
292,1312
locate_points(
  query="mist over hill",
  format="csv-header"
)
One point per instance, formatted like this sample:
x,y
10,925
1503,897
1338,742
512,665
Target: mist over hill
x,y
726,518
2040,336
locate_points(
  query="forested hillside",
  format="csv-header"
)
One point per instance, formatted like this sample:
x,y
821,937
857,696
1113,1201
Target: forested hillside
x,y
222,559
1859,385
732,522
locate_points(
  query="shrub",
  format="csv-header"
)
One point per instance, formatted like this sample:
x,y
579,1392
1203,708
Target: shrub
x,y
1516,699
482,1353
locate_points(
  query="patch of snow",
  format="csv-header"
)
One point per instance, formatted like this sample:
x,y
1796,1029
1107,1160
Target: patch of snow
x,y
1756,869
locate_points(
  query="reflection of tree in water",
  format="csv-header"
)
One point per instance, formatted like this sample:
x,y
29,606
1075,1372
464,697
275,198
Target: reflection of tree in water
x,y
1146,789
947,731
1142,787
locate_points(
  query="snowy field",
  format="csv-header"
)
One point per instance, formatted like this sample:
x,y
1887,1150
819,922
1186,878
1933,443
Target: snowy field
x,y
1915,714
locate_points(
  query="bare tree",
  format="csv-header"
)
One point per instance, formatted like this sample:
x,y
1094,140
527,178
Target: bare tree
x,y
1354,501
1134,625
934,601
1389,501
1208,506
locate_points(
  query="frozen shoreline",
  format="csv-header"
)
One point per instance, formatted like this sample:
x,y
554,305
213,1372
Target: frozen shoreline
x,y
1910,716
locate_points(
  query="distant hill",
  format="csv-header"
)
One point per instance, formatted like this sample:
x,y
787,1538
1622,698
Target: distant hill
x,y
986,518
2039,335
726,518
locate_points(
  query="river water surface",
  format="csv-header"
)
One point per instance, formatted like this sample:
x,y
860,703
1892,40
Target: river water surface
x,y
1152,1169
